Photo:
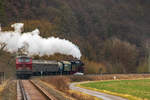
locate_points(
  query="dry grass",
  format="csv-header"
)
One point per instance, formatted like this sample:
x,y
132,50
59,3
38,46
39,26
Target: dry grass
x,y
81,96
2,86
59,82
9,91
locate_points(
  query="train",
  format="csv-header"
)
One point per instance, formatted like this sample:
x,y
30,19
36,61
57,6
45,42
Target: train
x,y
27,67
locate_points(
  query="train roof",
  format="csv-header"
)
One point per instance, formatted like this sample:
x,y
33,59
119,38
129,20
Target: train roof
x,y
22,57
44,62
66,62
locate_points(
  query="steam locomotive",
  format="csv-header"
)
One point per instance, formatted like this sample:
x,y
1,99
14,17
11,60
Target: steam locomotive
x,y
26,67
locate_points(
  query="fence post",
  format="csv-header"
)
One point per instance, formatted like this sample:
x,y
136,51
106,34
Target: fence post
x,y
2,77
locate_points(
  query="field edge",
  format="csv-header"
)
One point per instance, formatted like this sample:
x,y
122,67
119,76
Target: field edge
x,y
130,97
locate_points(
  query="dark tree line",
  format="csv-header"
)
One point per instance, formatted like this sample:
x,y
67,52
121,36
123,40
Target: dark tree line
x,y
110,32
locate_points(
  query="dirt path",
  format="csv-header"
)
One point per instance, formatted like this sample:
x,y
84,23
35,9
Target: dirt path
x,y
103,96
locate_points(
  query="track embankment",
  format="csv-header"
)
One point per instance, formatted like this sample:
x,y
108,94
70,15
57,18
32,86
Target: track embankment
x,y
28,90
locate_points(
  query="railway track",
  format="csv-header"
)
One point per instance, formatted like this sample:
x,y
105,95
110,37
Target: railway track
x,y
28,90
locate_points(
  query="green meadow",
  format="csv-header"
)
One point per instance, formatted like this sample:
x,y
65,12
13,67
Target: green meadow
x,y
137,88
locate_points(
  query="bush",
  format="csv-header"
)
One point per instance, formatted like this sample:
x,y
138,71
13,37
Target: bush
x,y
59,82
92,67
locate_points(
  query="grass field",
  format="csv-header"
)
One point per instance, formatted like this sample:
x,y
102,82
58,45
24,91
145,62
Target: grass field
x,y
138,88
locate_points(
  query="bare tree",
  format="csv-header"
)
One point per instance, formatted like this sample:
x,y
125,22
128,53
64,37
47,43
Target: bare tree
x,y
147,45
23,50
121,54
2,47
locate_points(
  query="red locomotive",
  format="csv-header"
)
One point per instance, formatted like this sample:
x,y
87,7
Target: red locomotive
x,y
23,66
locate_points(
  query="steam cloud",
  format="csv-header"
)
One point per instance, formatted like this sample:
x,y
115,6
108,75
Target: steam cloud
x,y
34,44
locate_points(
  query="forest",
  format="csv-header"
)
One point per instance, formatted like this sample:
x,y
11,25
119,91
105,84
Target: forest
x,y
113,35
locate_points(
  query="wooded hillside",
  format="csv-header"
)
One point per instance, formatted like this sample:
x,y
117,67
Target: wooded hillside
x,y
111,32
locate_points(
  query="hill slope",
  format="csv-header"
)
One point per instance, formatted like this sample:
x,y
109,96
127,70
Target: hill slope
x,y
98,27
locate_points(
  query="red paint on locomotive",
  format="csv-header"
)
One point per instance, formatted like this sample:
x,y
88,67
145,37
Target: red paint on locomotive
x,y
23,66
23,63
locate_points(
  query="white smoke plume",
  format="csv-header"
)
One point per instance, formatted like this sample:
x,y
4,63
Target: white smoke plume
x,y
35,44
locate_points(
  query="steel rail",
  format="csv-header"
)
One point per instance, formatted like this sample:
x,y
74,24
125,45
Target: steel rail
x,y
23,93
